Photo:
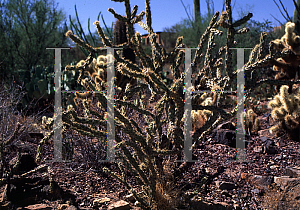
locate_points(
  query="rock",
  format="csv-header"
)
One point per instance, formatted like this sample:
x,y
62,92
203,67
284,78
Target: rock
x,y
99,202
263,138
225,192
244,176
260,181
129,198
269,147
284,182
236,207
71,208
274,166
119,205
225,185
256,191
266,133
279,143
292,172
203,205
258,149
225,136
38,207
63,206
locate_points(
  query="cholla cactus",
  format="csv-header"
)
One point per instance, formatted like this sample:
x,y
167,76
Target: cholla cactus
x,y
286,111
199,118
289,40
288,66
138,137
251,122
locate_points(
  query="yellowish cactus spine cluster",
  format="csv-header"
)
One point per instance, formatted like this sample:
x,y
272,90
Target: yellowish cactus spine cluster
x,y
289,40
286,111
251,122
287,66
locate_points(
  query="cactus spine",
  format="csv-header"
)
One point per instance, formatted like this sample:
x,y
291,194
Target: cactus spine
x,y
286,111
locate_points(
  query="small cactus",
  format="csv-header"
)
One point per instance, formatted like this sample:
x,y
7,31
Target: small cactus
x,y
287,67
251,122
286,111
199,118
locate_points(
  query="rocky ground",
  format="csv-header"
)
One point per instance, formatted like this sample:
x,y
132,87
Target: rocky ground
x,y
269,178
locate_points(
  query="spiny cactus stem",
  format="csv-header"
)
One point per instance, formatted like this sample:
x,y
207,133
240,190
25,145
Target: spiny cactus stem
x,y
135,164
242,31
268,60
203,39
105,40
139,18
134,11
132,106
146,61
148,17
84,120
128,128
242,20
83,128
78,41
119,17
142,202
207,128
40,147
262,41
208,54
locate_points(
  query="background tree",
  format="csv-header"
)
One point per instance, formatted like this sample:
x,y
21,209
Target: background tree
x,y
27,28
190,29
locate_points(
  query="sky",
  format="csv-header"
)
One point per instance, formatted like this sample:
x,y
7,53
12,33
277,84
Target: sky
x,y
166,13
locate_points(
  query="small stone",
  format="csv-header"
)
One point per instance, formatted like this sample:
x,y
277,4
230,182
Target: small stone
x,y
292,172
119,205
71,208
258,149
245,176
225,185
256,191
265,133
129,198
98,202
38,207
263,138
63,206
274,166
225,192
